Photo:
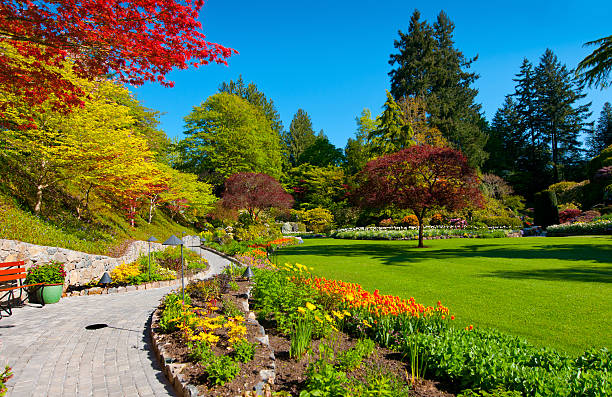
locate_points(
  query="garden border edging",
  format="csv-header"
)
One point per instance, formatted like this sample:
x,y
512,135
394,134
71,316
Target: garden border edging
x,y
172,370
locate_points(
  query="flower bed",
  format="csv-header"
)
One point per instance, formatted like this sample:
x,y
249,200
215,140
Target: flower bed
x,y
465,357
602,226
165,265
412,233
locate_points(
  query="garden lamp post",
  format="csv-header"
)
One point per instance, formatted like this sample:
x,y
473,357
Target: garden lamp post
x,y
248,273
105,280
150,240
173,240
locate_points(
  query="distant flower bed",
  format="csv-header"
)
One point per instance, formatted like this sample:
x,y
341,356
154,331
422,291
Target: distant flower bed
x,y
412,233
602,226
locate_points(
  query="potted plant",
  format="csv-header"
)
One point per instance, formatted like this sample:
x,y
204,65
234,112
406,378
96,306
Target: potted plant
x,y
52,276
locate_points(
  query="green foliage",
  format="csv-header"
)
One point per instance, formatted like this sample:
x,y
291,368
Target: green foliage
x,y
427,65
321,153
318,220
497,392
323,379
229,308
601,226
393,133
226,135
352,358
173,304
221,369
301,335
50,273
545,208
503,221
300,136
200,351
4,377
244,351
380,383
413,234
316,186
204,290
601,136
488,359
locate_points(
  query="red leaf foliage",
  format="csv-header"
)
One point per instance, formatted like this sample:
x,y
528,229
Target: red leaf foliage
x,y
420,178
255,192
136,40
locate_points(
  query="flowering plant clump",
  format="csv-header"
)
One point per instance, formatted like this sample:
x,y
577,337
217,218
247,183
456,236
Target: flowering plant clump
x,y
409,220
602,226
386,222
49,273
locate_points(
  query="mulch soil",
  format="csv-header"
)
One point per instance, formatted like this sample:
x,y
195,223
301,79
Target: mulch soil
x,y
290,373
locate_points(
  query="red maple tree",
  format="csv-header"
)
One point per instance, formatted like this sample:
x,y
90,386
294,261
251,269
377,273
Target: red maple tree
x,y
135,40
420,178
255,192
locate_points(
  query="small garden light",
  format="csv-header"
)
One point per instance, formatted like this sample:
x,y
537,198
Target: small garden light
x,y
150,240
173,240
248,273
105,280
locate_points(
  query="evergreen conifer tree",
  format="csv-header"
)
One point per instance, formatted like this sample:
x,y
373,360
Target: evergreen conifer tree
x,y
601,135
392,134
430,67
300,136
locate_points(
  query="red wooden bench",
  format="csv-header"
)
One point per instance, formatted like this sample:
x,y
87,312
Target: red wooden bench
x,y
12,274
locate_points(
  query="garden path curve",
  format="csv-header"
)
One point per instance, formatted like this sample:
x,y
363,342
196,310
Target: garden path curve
x,y
52,354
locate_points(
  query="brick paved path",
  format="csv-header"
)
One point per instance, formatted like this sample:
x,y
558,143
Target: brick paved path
x,y
52,354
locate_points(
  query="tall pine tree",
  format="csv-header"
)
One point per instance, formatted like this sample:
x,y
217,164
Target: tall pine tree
x,y
601,135
560,119
300,136
430,67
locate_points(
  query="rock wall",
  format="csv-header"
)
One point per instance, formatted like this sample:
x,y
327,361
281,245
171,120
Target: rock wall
x,y
80,267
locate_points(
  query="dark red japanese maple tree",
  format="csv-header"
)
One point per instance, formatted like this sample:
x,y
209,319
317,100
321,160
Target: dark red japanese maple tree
x,y
134,40
255,192
420,178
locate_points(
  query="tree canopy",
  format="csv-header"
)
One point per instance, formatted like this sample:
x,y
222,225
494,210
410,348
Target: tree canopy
x,y
255,192
137,41
428,66
595,68
420,178
226,135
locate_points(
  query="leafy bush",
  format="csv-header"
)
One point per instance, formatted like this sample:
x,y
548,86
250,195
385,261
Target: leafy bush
x,y
171,312
436,219
411,220
244,351
397,233
49,273
4,377
204,290
230,309
221,370
200,351
503,221
319,220
545,207
568,215
352,358
386,222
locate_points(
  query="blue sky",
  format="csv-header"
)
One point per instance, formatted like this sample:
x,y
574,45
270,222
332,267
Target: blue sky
x,y
331,57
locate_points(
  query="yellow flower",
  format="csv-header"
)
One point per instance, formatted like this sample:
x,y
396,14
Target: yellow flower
x,y
366,324
329,319
310,306
301,310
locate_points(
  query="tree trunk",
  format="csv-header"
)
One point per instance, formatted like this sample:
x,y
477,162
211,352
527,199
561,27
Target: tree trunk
x,y
151,209
420,218
39,196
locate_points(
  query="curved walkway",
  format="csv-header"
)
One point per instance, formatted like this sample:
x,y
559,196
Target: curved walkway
x,y
53,354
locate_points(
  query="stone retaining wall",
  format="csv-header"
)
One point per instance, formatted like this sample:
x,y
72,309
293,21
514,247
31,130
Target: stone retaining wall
x,y
80,267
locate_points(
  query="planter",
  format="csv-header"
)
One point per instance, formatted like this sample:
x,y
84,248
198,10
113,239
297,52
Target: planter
x,y
48,293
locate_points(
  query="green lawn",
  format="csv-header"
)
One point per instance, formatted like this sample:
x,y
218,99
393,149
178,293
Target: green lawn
x,y
555,292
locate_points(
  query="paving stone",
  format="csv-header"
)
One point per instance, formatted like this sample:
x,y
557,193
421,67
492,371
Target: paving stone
x,y
52,354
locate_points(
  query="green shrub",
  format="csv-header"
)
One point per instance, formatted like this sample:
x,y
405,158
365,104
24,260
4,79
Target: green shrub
x,y
221,370
352,358
205,289
503,221
545,208
230,309
173,304
200,351
244,351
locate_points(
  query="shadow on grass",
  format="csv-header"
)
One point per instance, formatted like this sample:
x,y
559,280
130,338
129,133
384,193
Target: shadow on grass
x,y
408,254
589,274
